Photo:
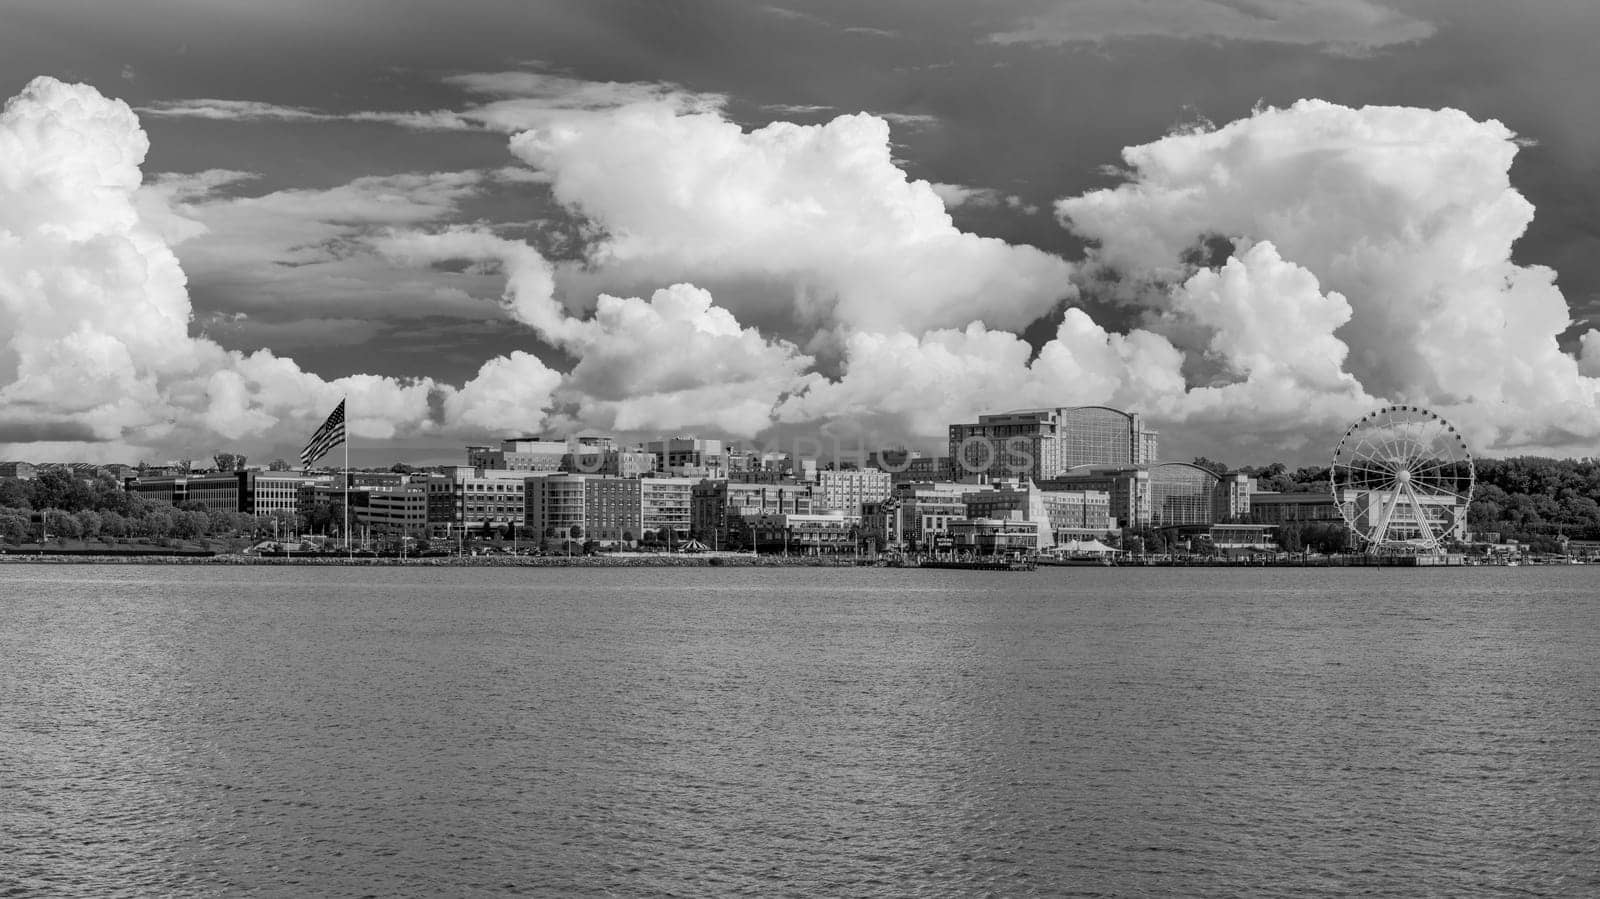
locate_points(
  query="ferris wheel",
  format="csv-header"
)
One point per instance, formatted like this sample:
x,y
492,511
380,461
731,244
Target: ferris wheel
x,y
1402,477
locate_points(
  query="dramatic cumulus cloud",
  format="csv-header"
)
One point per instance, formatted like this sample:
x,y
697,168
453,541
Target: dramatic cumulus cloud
x,y
1285,272
1408,215
816,218
1338,26
97,358
675,361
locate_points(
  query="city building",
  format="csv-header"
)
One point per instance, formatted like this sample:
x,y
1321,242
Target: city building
x,y
608,460
585,506
397,511
519,454
608,509
689,456
719,509
474,499
1042,443
846,491
1126,486
994,536
910,466
1186,494
915,515
1294,508
18,470
814,534
252,492
665,506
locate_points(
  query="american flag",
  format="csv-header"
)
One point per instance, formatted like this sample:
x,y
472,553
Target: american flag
x,y
330,435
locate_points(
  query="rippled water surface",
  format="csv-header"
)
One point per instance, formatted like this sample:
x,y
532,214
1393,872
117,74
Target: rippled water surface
x,y
645,732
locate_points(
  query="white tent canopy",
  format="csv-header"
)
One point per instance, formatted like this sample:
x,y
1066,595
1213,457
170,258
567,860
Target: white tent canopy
x,y
1090,547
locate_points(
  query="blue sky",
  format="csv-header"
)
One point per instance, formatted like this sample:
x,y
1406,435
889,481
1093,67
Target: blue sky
x,y
349,186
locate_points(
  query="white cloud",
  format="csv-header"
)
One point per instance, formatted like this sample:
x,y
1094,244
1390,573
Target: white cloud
x,y
819,214
1406,213
94,310
1339,26
674,361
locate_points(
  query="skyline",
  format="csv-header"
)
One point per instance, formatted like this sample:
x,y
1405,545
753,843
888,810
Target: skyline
x,y
762,222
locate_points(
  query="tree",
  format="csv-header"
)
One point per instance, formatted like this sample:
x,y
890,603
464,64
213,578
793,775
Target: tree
x,y
15,494
229,461
89,523
1211,465
61,523
189,525
113,524
14,526
278,465
57,488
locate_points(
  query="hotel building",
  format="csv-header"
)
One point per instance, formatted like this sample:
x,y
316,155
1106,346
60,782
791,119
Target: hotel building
x,y
1042,443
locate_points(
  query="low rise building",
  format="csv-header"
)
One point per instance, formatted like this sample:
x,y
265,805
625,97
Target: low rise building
x,y
720,509
519,454
846,491
397,511
474,499
816,534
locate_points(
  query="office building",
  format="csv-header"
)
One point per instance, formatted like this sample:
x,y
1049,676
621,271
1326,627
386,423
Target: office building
x,y
1042,443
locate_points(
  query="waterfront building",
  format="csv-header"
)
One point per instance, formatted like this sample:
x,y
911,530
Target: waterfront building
x,y
994,536
665,506
606,508
813,534
1042,443
462,498
846,491
1294,508
720,508
915,515
252,492
396,511
1186,494
1127,488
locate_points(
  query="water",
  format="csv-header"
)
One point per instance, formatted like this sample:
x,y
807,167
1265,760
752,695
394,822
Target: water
x,y
647,732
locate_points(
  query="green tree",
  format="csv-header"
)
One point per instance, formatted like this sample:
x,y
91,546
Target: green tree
x,y
14,526
63,524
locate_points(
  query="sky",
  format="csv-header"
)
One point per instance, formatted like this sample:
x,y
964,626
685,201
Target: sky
x,y
847,223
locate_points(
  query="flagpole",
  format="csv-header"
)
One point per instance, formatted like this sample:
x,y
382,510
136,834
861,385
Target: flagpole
x,y
348,552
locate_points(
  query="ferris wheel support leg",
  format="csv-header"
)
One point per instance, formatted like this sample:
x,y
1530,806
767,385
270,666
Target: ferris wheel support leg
x,y
1380,533
1424,524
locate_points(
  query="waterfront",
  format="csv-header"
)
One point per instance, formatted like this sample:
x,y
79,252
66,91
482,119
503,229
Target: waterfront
x,y
348,731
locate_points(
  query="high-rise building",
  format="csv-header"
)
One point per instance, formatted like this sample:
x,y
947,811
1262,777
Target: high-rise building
x,y
1041,443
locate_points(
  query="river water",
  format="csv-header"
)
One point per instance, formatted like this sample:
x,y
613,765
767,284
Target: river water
x,y
180,731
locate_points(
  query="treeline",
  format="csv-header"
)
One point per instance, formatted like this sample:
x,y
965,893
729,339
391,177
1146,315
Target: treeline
x,y
61,505
1526,498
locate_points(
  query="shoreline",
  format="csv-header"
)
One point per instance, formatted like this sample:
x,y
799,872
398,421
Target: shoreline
x,y
729,560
